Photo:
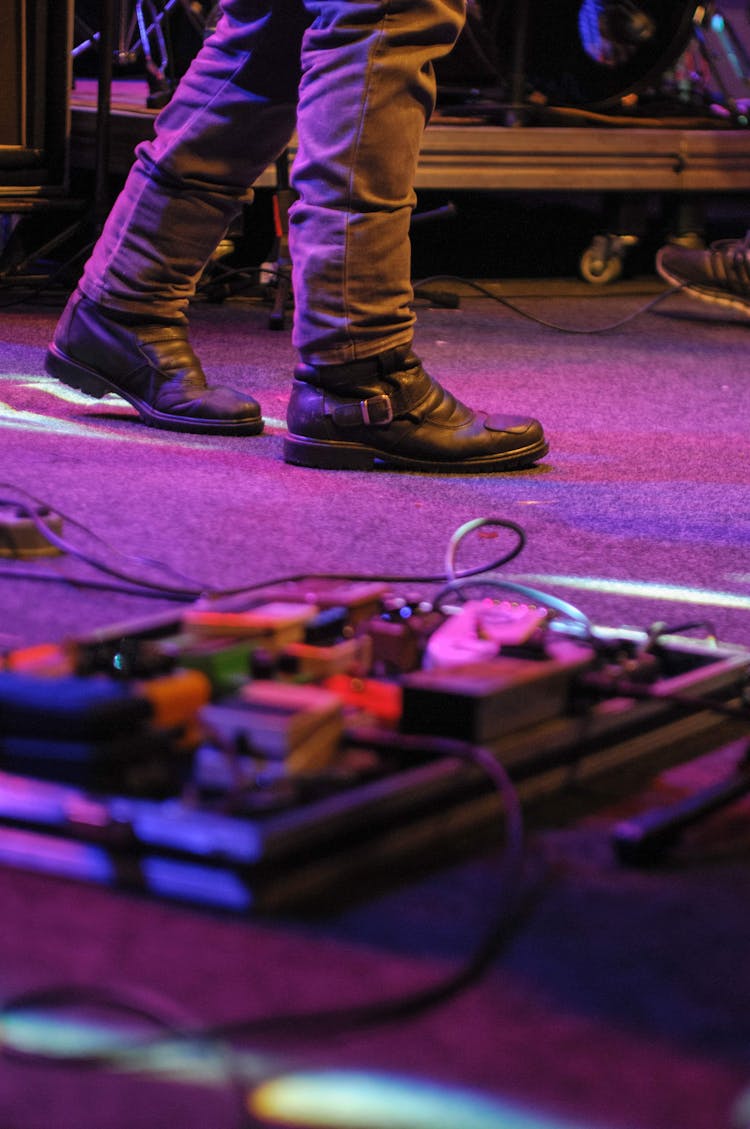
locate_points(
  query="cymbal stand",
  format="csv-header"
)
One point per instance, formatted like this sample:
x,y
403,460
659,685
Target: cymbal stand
x,y
515,115
283,198
646,839
716,26
140,35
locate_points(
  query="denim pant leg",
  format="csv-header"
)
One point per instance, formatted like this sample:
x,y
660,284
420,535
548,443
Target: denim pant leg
x,y
232,114
366,93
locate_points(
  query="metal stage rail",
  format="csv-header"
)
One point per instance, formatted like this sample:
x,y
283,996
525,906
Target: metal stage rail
x,y
461,155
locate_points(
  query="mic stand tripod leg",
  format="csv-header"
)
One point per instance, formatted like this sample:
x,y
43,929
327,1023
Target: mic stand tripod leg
x,y
282,263
102,201
646,838
515,115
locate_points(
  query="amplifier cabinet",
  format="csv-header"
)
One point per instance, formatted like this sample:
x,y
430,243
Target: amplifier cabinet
x,y
35,64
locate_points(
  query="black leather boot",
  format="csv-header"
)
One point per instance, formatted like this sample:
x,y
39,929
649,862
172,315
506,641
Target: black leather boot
x,y
150,364
387,412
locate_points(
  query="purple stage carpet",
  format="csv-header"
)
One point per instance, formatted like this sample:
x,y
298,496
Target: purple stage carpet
x,y
622,1001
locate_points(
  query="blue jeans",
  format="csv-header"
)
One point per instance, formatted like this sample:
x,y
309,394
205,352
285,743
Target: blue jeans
x,y
356,78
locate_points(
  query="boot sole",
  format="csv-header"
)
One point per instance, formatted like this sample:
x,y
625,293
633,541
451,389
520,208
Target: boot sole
x,y
349,456
93,384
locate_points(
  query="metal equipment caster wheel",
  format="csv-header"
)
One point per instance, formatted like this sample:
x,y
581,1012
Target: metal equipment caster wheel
x,y
603,261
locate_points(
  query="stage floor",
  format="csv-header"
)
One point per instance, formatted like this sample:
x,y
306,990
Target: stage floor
x,y
621,1000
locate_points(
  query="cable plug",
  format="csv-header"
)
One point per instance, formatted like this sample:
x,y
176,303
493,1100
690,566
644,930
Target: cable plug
x,y
20,537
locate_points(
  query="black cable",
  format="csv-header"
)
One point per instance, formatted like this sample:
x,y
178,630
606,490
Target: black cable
x,y
209,592
579,619
83,582
172,1023
35,514
516,903
65,546
658,630
246,275
29,297
619,687
514,910
130,1001
390,1010
45,284
542,321
396,578
236,279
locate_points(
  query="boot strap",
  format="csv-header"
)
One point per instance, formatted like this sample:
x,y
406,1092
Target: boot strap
x,y
375,411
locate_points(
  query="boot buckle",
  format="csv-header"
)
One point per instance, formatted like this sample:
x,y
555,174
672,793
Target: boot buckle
x,y
377,411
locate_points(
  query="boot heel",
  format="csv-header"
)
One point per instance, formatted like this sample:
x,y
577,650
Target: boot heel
x,y
328,456
74,375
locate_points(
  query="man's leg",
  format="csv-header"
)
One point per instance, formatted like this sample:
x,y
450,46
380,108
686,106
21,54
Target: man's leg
x,y
366,94
361,398
232,114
